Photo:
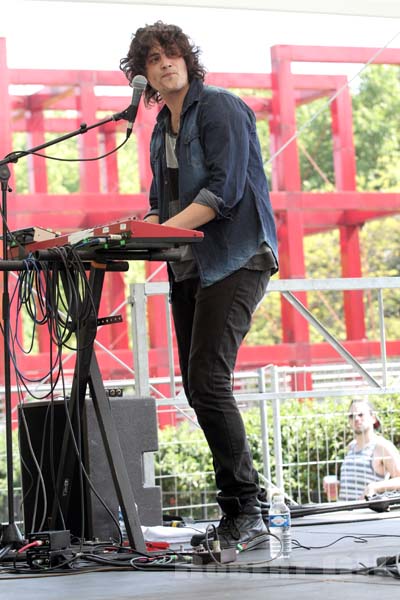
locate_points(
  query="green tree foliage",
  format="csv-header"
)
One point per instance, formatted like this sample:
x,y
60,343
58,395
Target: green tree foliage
x,y
266,324
322,255
380,240
315,147
377,141
129,180
376,107
62,175
376,104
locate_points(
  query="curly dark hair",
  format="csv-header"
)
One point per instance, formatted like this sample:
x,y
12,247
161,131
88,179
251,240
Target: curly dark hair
x,y
172,39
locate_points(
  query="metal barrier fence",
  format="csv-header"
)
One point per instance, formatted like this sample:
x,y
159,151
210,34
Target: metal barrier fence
x,y
297,435
302,433
295,443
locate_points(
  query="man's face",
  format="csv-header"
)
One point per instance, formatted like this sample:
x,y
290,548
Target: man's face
x,y
360,417
166,73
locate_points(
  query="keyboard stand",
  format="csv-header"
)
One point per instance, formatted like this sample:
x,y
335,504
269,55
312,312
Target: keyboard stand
x,y
87,374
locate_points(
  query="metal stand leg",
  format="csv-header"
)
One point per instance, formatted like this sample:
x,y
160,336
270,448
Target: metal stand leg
x,y
87,373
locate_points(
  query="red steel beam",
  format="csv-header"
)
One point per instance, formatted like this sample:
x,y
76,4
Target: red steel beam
x,y
338,54
249,357
298,213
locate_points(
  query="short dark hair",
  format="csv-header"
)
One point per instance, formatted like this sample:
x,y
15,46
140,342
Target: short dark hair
x,y
172,39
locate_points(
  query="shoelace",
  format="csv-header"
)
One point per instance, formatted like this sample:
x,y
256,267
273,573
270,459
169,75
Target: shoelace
x,y
228,526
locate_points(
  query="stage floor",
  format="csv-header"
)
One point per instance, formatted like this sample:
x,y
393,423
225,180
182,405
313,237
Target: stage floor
x,y
346,540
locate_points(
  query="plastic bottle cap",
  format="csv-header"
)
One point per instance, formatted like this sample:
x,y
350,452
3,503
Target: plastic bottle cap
x,y
278,498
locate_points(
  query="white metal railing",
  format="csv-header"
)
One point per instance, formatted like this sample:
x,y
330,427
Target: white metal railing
x,y
270,387
275,384
275,429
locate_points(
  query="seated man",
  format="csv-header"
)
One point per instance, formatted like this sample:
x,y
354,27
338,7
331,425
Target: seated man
x,y
372,463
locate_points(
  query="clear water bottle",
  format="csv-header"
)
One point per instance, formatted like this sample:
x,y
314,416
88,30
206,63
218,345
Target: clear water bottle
x,y
279,525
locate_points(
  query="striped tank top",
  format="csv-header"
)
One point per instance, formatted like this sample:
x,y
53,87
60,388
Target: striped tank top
x,y
357,472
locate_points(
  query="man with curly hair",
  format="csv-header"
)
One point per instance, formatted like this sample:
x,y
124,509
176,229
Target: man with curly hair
x,y
208,175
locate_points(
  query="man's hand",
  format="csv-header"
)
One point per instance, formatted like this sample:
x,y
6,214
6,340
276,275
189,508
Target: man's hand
x,y
371,489
152,219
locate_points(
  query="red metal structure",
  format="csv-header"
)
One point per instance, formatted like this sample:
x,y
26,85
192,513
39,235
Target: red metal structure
x,y
77,97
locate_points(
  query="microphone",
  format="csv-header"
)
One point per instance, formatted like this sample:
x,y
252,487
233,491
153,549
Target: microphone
x,y
138,84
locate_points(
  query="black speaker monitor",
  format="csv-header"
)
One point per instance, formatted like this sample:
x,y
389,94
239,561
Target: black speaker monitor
x,y
41,431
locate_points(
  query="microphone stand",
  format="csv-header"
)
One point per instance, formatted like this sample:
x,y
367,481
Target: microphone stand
x,y
11,536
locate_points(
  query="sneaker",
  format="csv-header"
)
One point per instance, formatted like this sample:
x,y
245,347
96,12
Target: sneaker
x,y
245,530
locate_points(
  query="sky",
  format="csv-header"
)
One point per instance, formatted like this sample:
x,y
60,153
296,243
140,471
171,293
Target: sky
x,y
87,35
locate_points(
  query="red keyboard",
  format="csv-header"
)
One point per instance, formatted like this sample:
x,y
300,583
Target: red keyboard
x,y
119,235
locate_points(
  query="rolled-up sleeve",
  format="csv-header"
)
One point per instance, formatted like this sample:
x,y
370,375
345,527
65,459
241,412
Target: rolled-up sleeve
x,y
206,198
226,124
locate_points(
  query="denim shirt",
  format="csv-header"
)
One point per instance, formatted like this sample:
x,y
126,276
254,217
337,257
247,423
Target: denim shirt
x,y
219,157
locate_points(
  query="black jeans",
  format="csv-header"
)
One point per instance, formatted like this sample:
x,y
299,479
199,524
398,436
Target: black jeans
x,y
210,325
